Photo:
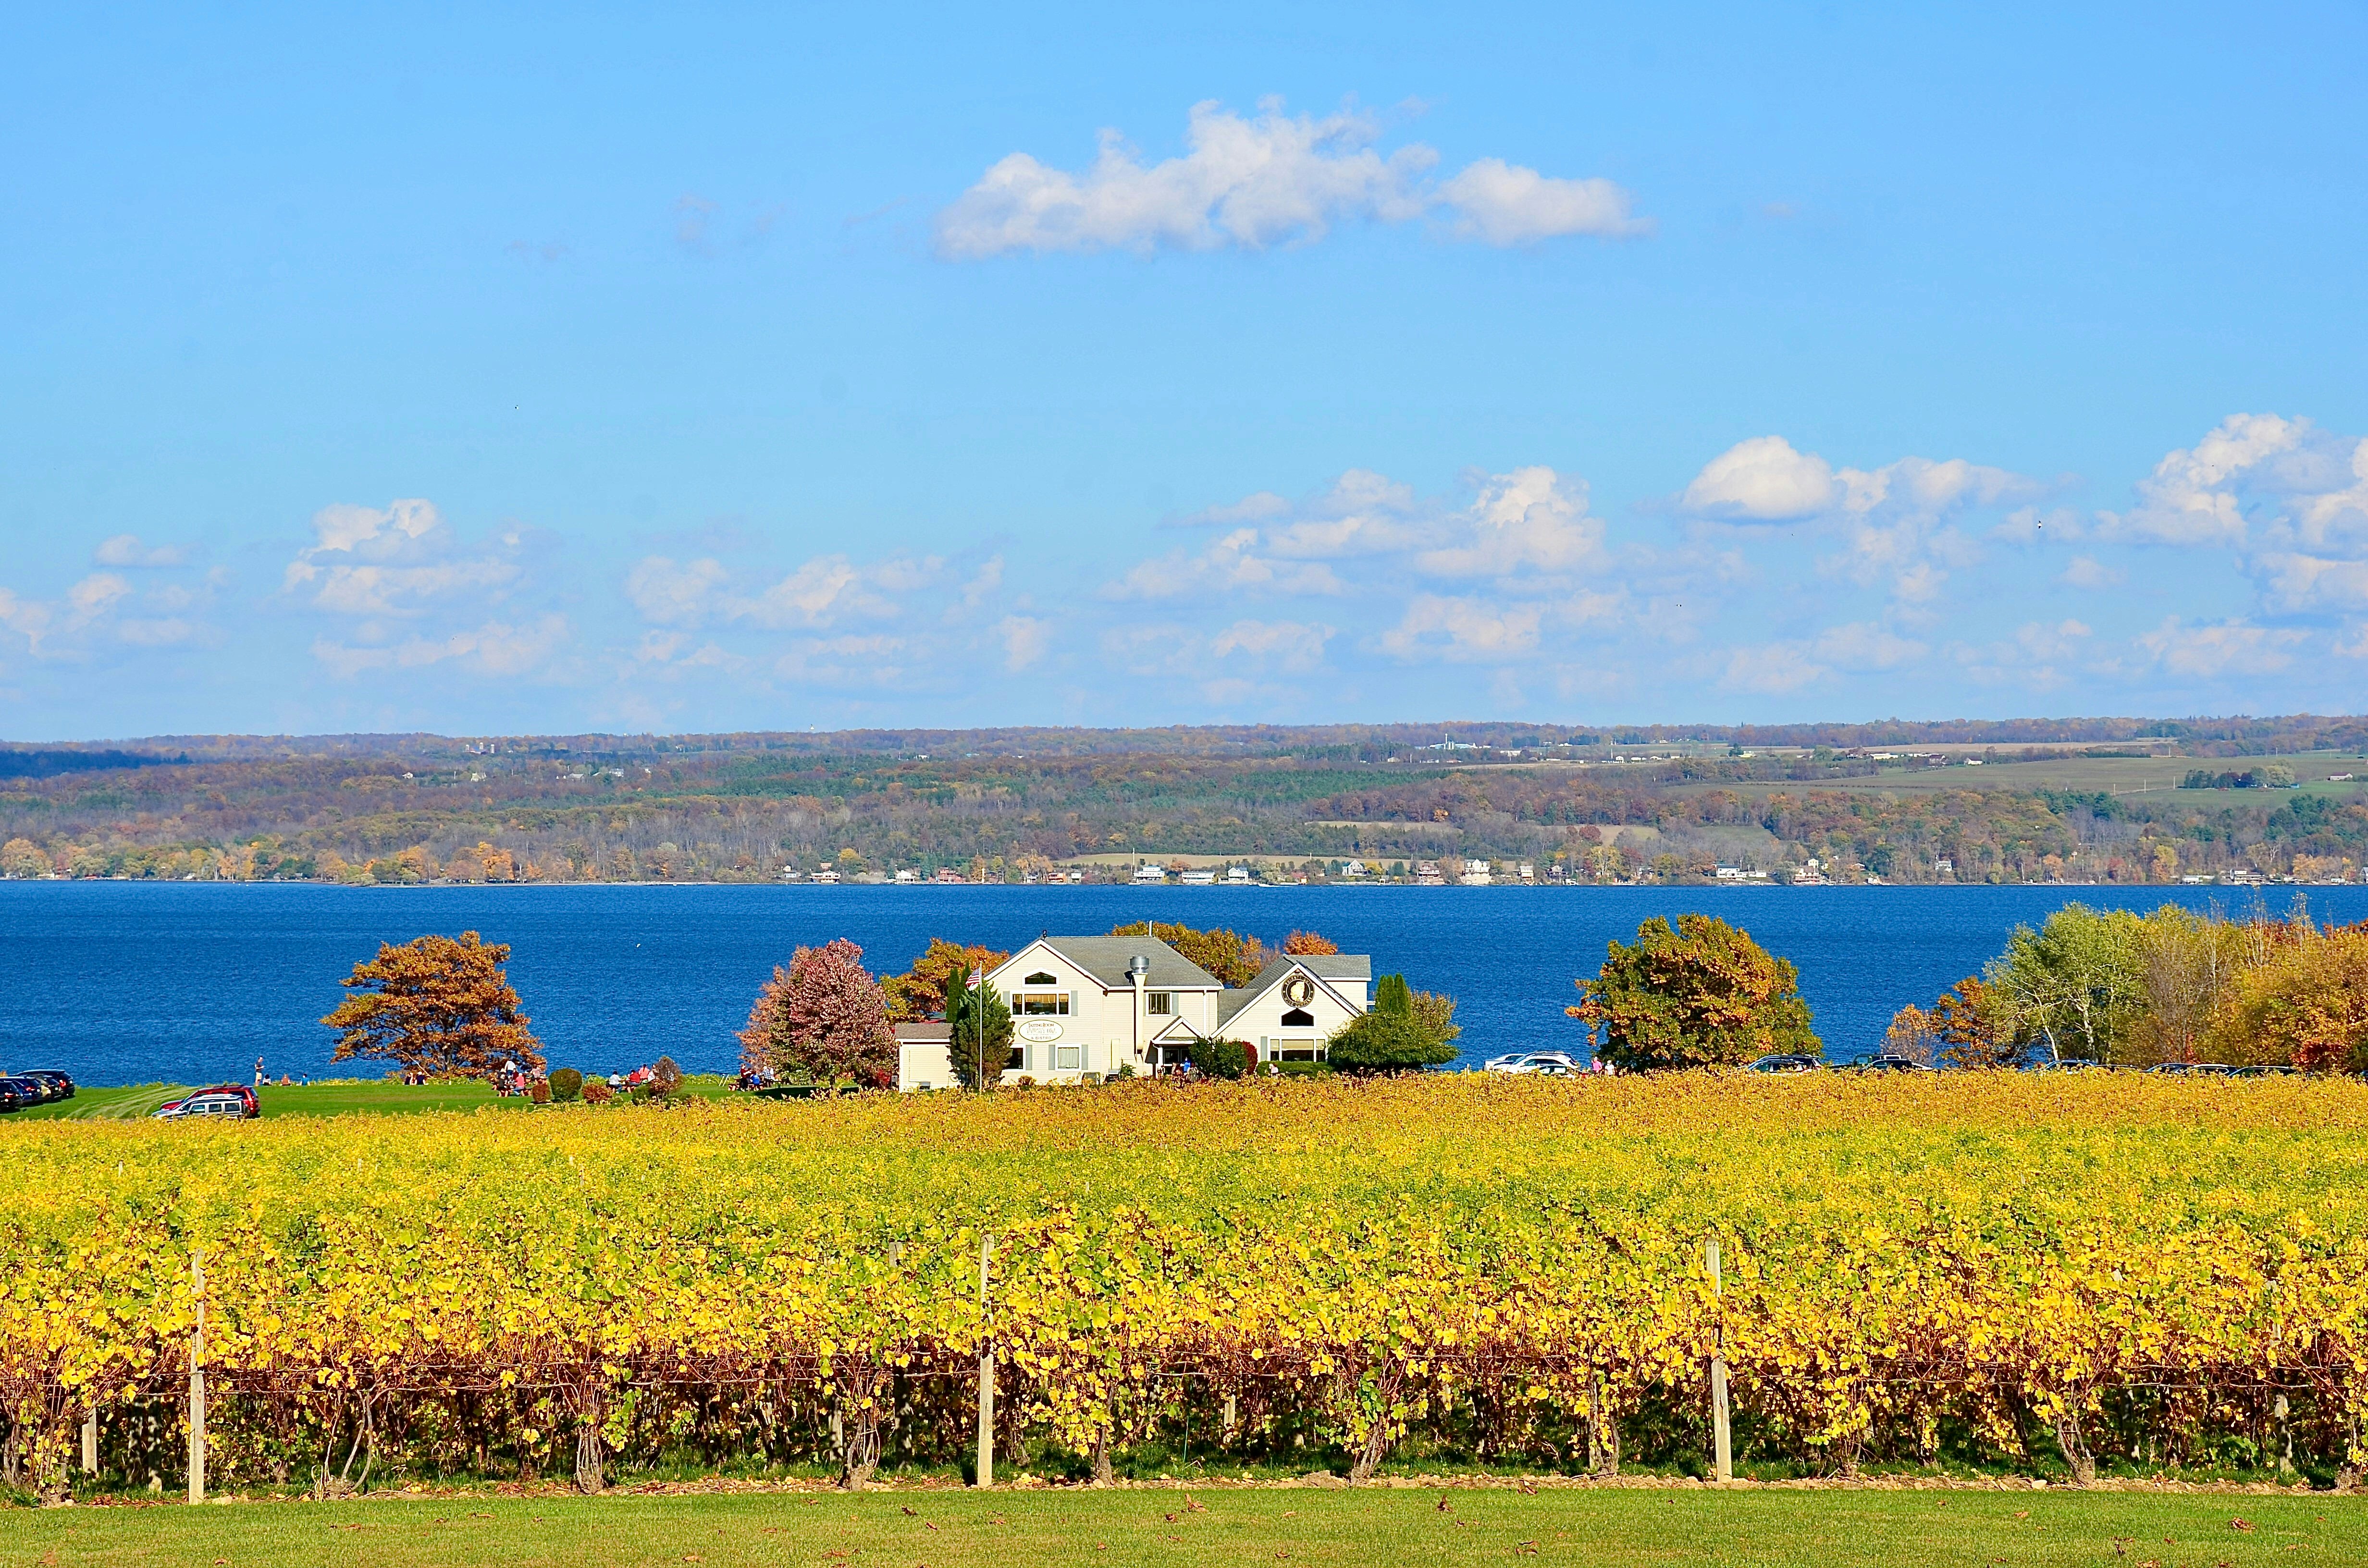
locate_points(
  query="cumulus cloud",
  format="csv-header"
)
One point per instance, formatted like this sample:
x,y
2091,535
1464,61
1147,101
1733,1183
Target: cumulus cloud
x,y
496,648
1252,182
2035,658
1504,204
1895,522
1292,646
817,593
1025,638
2088,571
399,560
2192,496
2294,581
2227,648
1235,564
1762,480
1463,630
125,549
1530,520
1866,645
1772,670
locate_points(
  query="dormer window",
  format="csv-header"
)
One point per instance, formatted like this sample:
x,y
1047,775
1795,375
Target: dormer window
x,y
1040,978
1299,1018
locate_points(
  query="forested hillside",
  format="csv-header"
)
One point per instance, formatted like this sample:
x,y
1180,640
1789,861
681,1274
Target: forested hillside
x,y
2088,801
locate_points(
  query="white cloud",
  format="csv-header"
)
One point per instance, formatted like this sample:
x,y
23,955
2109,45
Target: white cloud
x,y
1462,631
1505,204
1256,182
125,549
2228,648
1865,645
818,593
1772,670
1025,641
1529,520
2034,658
2191,499
1235,564
1295,647
2088,571
1762,480
2294,581
496,648
670,595
395,560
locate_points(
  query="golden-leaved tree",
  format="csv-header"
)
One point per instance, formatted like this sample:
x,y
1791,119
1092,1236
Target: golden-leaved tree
x,y
441,1005
1701,994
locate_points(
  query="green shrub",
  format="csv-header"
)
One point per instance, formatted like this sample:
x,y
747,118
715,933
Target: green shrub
x,y
1219,1057
566,1084
1386,1042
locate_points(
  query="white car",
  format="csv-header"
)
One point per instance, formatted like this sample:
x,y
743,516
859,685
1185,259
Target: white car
x,y
1535,1061
212,1102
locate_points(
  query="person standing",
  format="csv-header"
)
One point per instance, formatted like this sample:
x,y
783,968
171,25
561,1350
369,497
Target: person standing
x,y
258,1071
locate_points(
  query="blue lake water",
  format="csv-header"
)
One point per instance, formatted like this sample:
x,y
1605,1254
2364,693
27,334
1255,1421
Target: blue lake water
x,y
123,983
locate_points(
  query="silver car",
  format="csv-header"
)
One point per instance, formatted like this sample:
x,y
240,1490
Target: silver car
x,y
1535,1062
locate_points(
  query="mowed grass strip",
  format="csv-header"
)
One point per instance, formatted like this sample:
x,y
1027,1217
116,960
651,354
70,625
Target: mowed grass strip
x,y
337,1098
1377,1526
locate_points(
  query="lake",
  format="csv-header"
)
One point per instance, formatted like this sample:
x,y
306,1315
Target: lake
x,y
128,983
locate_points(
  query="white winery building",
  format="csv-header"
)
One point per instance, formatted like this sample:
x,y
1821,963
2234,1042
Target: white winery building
x,y
1098,1004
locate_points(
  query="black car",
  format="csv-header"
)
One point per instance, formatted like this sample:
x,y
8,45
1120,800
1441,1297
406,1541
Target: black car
x,y
60,1085
35,1090
15,1095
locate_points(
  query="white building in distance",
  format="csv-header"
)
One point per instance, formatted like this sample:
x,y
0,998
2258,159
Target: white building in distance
x,y
1096,1005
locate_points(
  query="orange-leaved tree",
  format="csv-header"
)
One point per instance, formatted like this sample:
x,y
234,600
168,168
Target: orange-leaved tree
x,y
1703,995
921,992
437,1005
1308,944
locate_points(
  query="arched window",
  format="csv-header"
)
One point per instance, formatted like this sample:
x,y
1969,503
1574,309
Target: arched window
x,y
1040,978
1298,1018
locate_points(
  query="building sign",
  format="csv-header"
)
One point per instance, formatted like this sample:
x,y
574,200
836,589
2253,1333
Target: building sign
x,y
1041,1030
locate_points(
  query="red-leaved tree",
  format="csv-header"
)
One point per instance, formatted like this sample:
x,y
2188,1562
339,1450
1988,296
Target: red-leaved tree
x,y
824,1017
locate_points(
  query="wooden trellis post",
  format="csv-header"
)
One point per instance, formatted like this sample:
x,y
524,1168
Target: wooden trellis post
x,y
197,1382
90,1441
1722,1444
986,1369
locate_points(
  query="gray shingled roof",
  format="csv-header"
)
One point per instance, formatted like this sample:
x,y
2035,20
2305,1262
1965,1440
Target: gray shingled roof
x,y
1339,966
1230,1003
1105,958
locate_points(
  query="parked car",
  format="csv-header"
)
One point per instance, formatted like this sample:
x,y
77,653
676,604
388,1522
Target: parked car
x,y
2172,1069
1888,1063
226,1101
2068,1064
28,1090
1534,1061
1783,1064
2266,1070
61,1087
11,1097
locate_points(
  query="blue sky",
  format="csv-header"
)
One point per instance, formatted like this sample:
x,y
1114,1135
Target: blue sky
x,y
766,367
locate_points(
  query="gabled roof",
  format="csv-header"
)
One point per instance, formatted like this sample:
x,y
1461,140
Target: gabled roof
x,y
1339,966
1105,958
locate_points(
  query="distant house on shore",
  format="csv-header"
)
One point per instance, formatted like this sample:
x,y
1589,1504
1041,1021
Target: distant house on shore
x,y
1098,1004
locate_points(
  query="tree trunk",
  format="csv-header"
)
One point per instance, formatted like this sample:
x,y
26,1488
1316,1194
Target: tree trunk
x,y
1603,1432
859,1391
1371,1453
2076,1451
1103,1475
588,1479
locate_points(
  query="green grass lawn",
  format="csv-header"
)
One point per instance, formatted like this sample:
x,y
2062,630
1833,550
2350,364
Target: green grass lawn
x,y
1014,1529
333,1098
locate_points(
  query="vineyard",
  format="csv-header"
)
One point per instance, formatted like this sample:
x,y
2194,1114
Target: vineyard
x,y
2061,1272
